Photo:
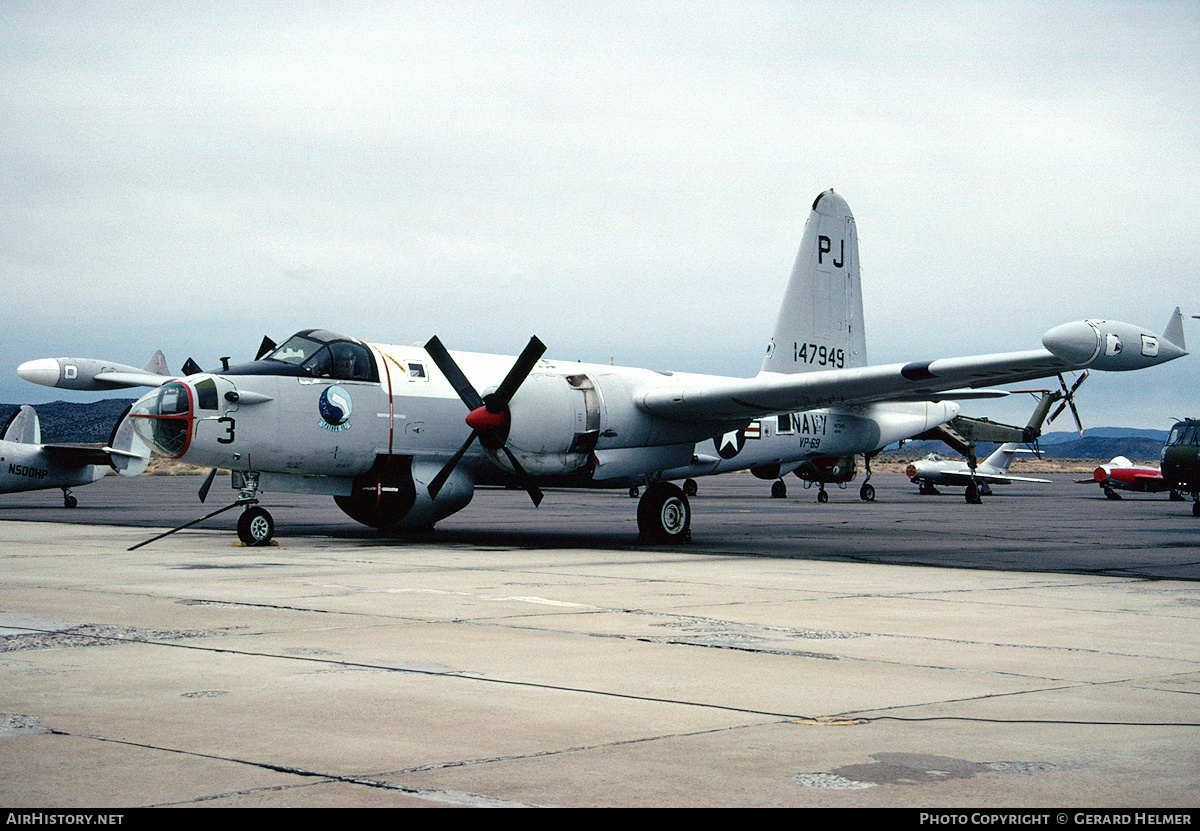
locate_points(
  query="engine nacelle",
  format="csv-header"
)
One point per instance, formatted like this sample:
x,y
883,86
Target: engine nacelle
x,y
395,493
828,469
554,425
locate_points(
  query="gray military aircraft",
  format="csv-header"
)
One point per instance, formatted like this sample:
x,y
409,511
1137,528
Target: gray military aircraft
x,y
28,465
380,428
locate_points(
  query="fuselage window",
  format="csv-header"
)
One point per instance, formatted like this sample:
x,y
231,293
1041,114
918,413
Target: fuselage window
x,y
206,394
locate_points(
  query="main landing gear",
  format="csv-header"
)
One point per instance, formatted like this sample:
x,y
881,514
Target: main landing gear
x,y
664,514
867,492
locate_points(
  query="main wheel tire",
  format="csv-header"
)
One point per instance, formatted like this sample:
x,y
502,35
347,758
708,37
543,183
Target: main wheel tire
x,y
867,492
972,495
822,496
1196,509
255,526
779,490
664,514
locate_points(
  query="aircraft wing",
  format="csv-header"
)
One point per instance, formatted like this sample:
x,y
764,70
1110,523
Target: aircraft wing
x,y
773,393
1094,344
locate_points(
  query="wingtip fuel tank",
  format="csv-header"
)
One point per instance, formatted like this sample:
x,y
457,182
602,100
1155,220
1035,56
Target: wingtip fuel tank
x,y
1114,346
90,374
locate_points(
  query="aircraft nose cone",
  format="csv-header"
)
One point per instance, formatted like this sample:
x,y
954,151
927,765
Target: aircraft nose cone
x,y
1077,342
43,371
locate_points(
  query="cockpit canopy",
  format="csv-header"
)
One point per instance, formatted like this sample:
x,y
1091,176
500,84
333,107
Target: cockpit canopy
x,y
315,353
1185,432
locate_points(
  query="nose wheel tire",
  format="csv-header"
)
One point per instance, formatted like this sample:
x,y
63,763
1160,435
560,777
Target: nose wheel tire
x,y
255,526
664,514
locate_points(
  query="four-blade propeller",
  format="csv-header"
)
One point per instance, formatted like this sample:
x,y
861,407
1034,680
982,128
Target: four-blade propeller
x,y
489,418
1068,399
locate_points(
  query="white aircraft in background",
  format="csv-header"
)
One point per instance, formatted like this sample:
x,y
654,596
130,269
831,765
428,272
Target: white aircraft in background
x,y
935,470
28,465
380,427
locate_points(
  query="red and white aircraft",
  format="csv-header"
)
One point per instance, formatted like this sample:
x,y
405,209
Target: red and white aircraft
x,y
1122,474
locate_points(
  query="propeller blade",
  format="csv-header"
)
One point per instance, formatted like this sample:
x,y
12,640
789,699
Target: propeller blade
x,y
443,361
525,363
435,486
523,477
1075,413
208,480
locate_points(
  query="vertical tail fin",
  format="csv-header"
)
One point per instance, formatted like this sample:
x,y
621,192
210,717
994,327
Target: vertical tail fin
x,y
23,426
1002,458
820,324
1174,330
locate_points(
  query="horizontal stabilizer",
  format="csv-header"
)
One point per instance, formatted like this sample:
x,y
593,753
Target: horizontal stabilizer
x,y
77,454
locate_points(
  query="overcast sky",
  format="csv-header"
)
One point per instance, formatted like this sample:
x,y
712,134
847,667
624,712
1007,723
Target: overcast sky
x,y
627,181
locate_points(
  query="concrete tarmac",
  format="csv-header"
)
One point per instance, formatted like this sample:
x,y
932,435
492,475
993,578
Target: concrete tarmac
x,y
1039,650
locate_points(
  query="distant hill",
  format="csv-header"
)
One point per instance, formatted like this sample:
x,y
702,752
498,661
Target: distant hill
x,y
1059,437
64,421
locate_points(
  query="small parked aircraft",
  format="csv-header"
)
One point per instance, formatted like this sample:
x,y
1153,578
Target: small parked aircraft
x,y
1122,474
28,465
380,428
1180,460
934,470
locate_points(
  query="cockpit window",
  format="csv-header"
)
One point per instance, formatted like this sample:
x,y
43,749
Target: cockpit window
x,y
295,350
325,355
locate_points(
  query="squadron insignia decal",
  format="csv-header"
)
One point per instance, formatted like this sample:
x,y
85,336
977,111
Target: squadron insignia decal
x,y
335,408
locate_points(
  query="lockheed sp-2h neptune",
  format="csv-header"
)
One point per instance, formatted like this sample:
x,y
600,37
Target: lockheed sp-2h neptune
x,y
381,428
